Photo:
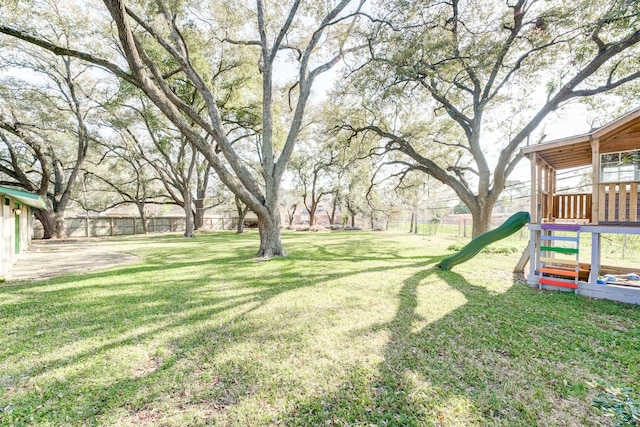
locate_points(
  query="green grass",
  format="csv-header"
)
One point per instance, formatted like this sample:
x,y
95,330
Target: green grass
x,y
353,328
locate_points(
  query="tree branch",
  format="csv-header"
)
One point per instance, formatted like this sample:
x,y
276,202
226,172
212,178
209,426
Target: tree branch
x,y
61,51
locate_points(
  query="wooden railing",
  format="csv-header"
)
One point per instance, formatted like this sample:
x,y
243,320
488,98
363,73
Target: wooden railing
x,y
619,202
543,200
572,206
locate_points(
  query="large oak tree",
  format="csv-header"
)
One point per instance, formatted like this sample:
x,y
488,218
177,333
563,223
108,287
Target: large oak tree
x,y
454,88
157,40
48,120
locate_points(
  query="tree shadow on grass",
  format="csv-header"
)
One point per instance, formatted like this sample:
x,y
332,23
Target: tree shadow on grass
x,y
495,359
79,324
456,351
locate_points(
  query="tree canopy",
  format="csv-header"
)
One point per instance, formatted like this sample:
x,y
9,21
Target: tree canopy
x,y
154,42
448,85
451,89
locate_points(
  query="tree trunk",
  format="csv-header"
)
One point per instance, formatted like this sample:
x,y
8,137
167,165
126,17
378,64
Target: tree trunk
x,y
311,209
59,225
48,222
143,217
291,215
242,213
415,223
199,215
145,224
411,224
334,207
188,223
270,243
201,192
312,214
481,218
52,223
188,215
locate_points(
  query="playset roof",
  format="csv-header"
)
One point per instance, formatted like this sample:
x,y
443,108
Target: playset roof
x,y
622,134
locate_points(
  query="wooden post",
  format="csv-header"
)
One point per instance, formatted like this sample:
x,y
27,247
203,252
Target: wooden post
x,y
549,178
601,197
622,203
534,188
539,205
524,258
595,258
595,181
552,190
611,214
633,202
534,237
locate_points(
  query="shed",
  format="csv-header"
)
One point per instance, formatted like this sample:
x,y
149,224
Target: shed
x,y
15,224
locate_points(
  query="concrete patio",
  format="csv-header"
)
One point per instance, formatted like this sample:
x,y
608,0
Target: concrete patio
x,y
50,258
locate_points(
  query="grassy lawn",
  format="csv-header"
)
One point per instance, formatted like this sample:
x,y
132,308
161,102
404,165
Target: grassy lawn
x,y
353,328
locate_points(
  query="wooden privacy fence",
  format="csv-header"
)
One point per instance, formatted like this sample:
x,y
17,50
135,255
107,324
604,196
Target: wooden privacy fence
x,y
117,226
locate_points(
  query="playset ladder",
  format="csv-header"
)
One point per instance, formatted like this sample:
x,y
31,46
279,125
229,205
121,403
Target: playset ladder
x,y
559,271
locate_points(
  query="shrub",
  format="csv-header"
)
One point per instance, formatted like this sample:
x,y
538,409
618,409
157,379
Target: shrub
x,y
505,250
455,247
618,403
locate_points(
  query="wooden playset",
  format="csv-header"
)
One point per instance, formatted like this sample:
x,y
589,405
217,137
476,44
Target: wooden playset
x,y
558,221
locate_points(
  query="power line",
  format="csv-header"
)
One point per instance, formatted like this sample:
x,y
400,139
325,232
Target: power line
x,y
442,204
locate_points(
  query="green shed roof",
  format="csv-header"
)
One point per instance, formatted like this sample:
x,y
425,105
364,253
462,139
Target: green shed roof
x,y
29,199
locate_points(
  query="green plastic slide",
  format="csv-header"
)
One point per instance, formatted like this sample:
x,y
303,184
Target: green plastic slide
x,y
510,226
